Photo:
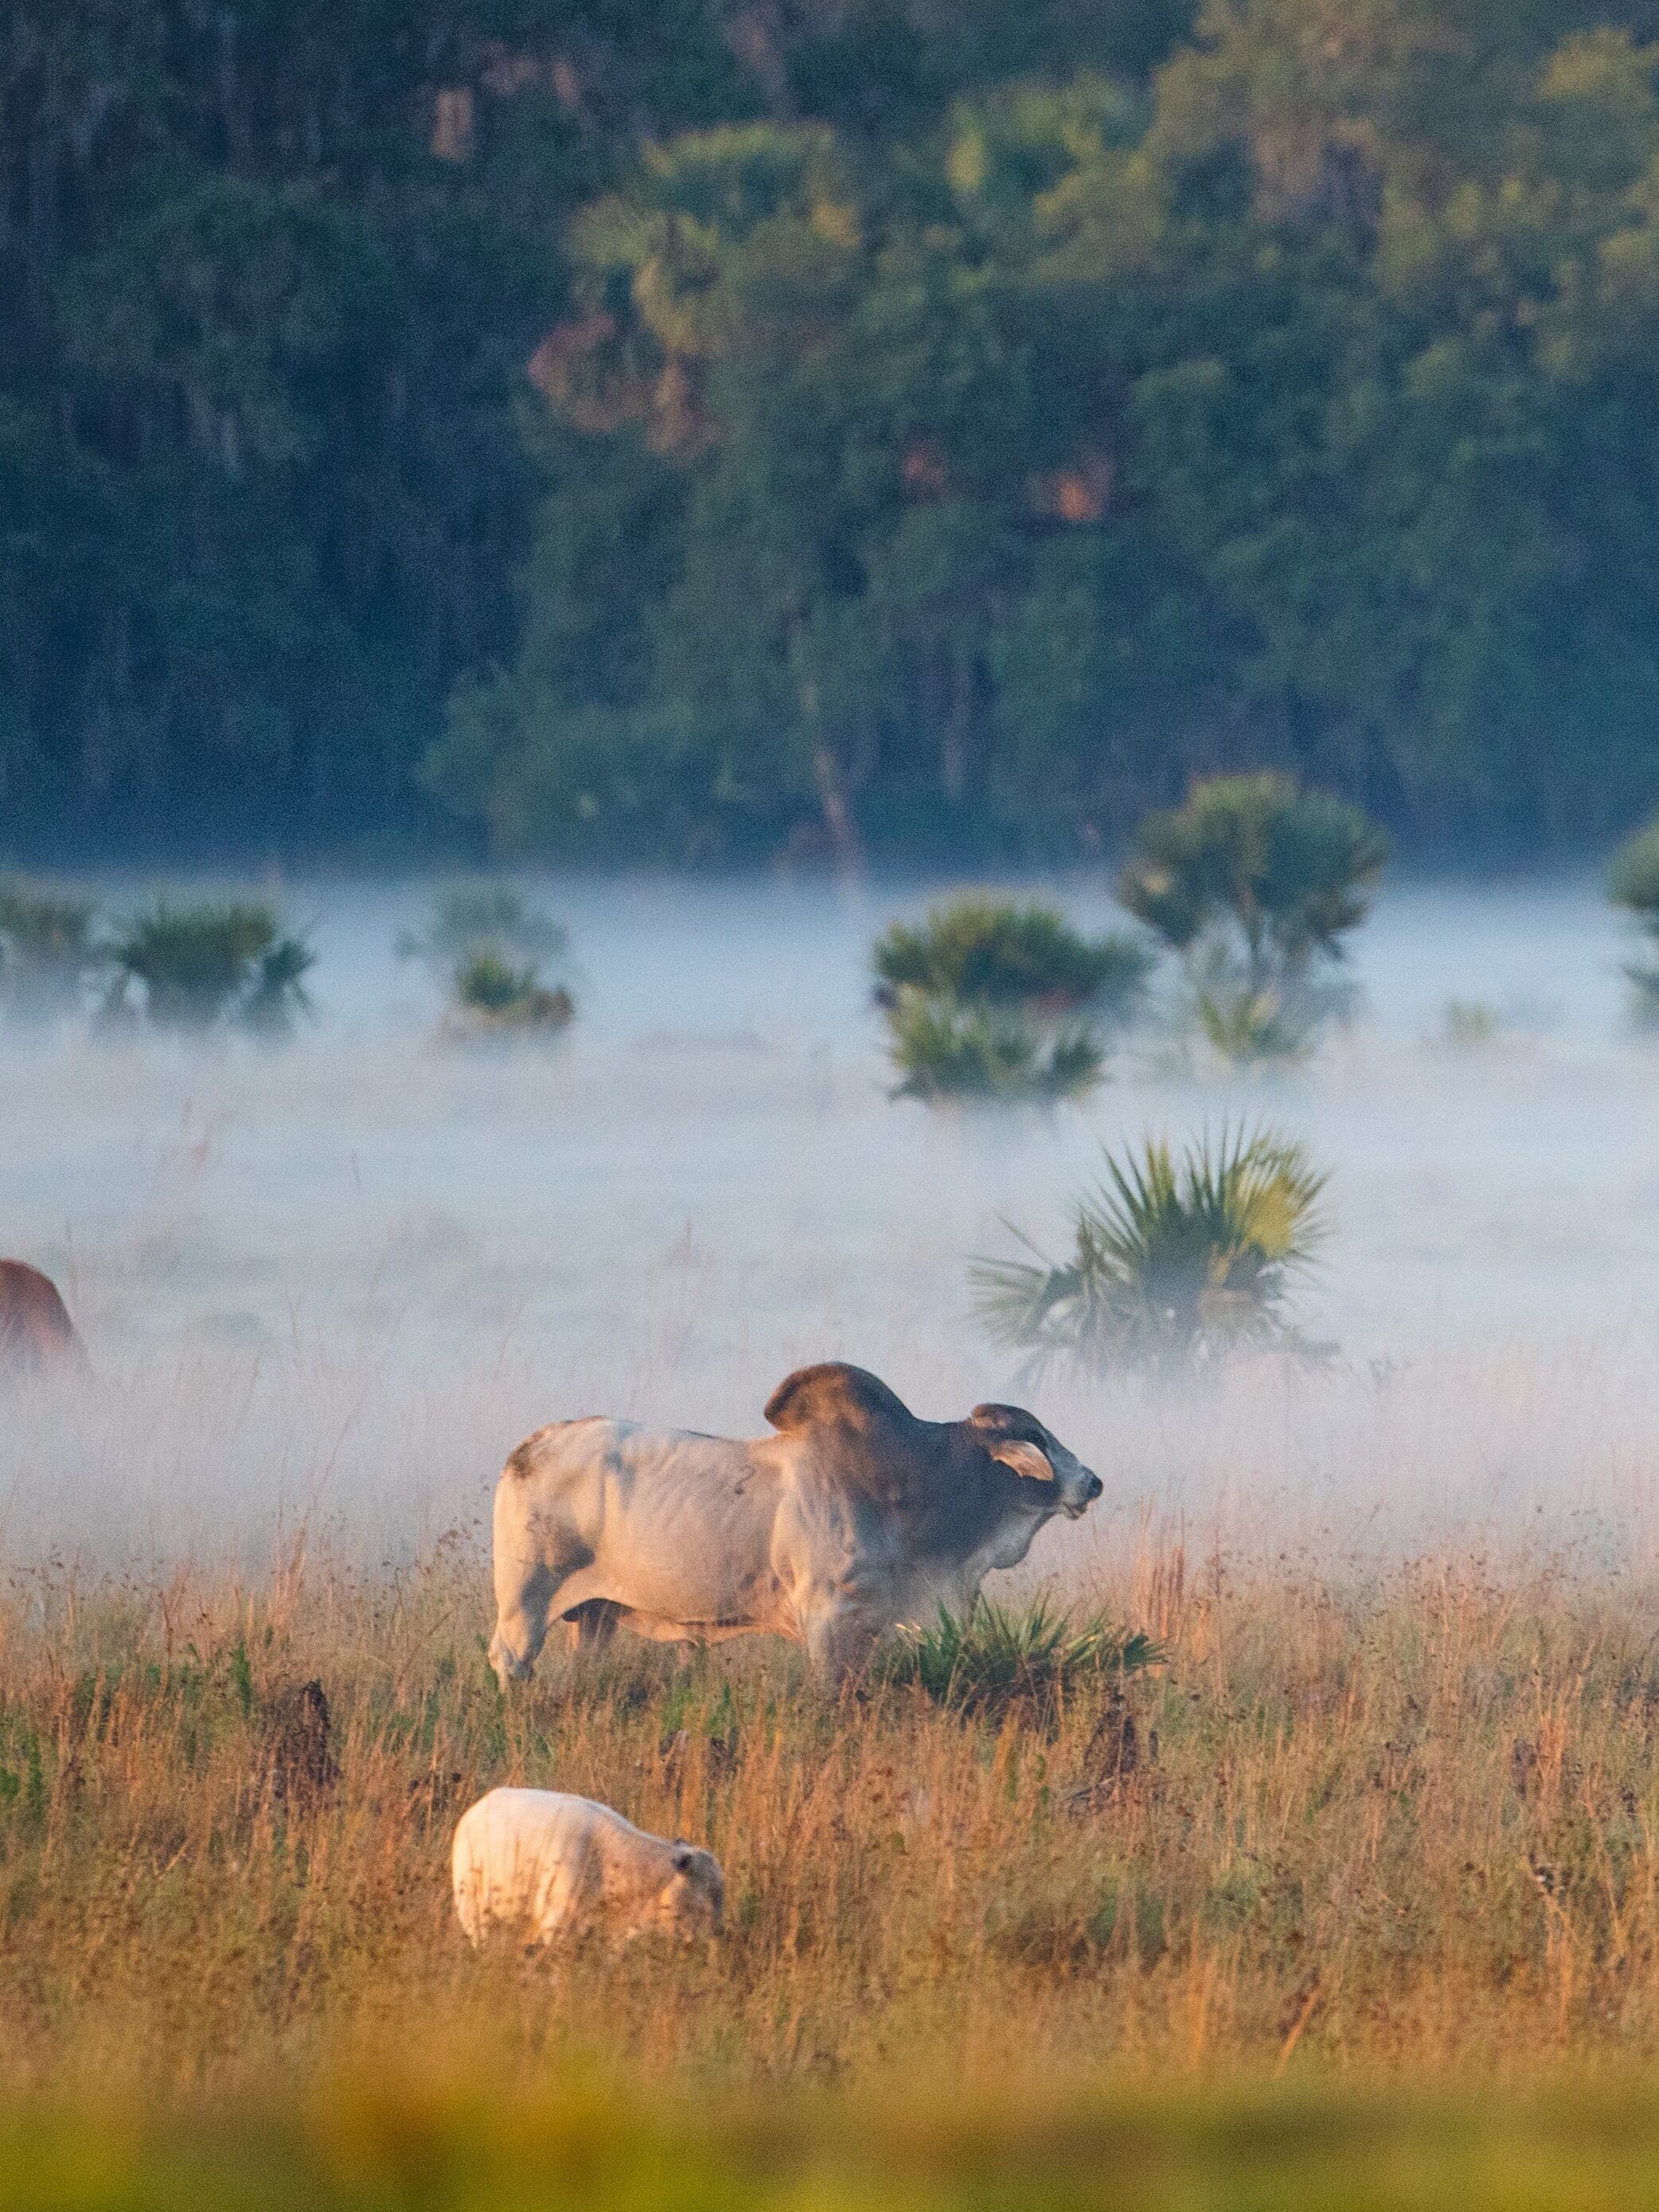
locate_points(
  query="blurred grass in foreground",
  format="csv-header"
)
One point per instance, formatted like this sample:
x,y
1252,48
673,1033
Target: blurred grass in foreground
x,y
380,2147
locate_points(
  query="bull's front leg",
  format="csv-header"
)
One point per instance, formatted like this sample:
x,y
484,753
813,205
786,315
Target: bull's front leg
x,y
523,1600
841,1633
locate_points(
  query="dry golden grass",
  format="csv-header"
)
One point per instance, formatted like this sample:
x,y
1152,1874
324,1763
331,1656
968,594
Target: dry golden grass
x,y
1410,1825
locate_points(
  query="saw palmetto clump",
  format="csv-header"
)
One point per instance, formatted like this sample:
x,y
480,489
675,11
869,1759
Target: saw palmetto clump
x,y
990,1001
1175,1258
487,943
997,1656
211,965
48,951
1633,884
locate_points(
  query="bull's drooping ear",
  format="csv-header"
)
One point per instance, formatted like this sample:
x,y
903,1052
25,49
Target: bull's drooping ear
x,y
1024,1459
1000,1428
832,1391
685,1858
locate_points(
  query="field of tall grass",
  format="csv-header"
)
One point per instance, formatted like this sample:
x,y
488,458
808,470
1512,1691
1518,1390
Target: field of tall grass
x,y
1353,1900
1396,1829
1412,1825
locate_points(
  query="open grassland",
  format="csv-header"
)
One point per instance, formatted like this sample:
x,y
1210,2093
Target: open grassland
x,y
1409,1827
1377,1920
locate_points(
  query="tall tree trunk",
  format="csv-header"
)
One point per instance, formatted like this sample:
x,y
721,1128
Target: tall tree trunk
x,y
839,825
958,689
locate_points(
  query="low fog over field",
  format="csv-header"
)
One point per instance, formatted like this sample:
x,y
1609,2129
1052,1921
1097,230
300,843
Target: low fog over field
x,y
325,1288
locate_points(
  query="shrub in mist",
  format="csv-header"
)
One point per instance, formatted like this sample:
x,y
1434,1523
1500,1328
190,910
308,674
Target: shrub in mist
x,y
487,944
211,965
943,1051
1176,1258
469,916
491,995
989,1000
996,1656
48,949
1469,1025
1255,884
989,952
1633,884
1242,1026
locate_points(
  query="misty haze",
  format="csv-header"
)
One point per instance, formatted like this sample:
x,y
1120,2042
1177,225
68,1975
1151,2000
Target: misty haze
x,y
324,1288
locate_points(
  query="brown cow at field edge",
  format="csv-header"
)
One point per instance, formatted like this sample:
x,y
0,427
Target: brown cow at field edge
x,y
35,1330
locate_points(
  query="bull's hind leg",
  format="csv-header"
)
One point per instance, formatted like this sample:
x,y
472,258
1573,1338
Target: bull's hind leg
x,y
591,1627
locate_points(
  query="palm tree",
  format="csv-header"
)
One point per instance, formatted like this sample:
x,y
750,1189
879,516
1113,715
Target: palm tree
x,y
1256,883
1174,1259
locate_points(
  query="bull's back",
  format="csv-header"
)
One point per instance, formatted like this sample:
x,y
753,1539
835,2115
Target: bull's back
x,y
667,1522
35,1329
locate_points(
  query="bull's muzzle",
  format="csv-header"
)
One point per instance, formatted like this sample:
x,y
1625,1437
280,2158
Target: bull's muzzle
x,y
1085,1496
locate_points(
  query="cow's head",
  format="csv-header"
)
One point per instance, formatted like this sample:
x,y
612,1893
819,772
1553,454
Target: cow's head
x,y
692,1899
1035,1454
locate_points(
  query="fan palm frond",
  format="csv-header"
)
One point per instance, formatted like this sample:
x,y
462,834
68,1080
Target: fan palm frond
x,y
995,1656
1173,1258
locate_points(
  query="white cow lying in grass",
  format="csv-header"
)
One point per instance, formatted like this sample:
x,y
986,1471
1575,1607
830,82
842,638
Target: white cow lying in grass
x,y
552,1867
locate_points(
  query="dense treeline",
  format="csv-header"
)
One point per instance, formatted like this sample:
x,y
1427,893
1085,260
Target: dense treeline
x,y
711,429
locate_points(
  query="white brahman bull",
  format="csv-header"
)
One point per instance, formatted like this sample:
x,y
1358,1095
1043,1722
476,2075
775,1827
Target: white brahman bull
x,y
854,1517
550,1867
